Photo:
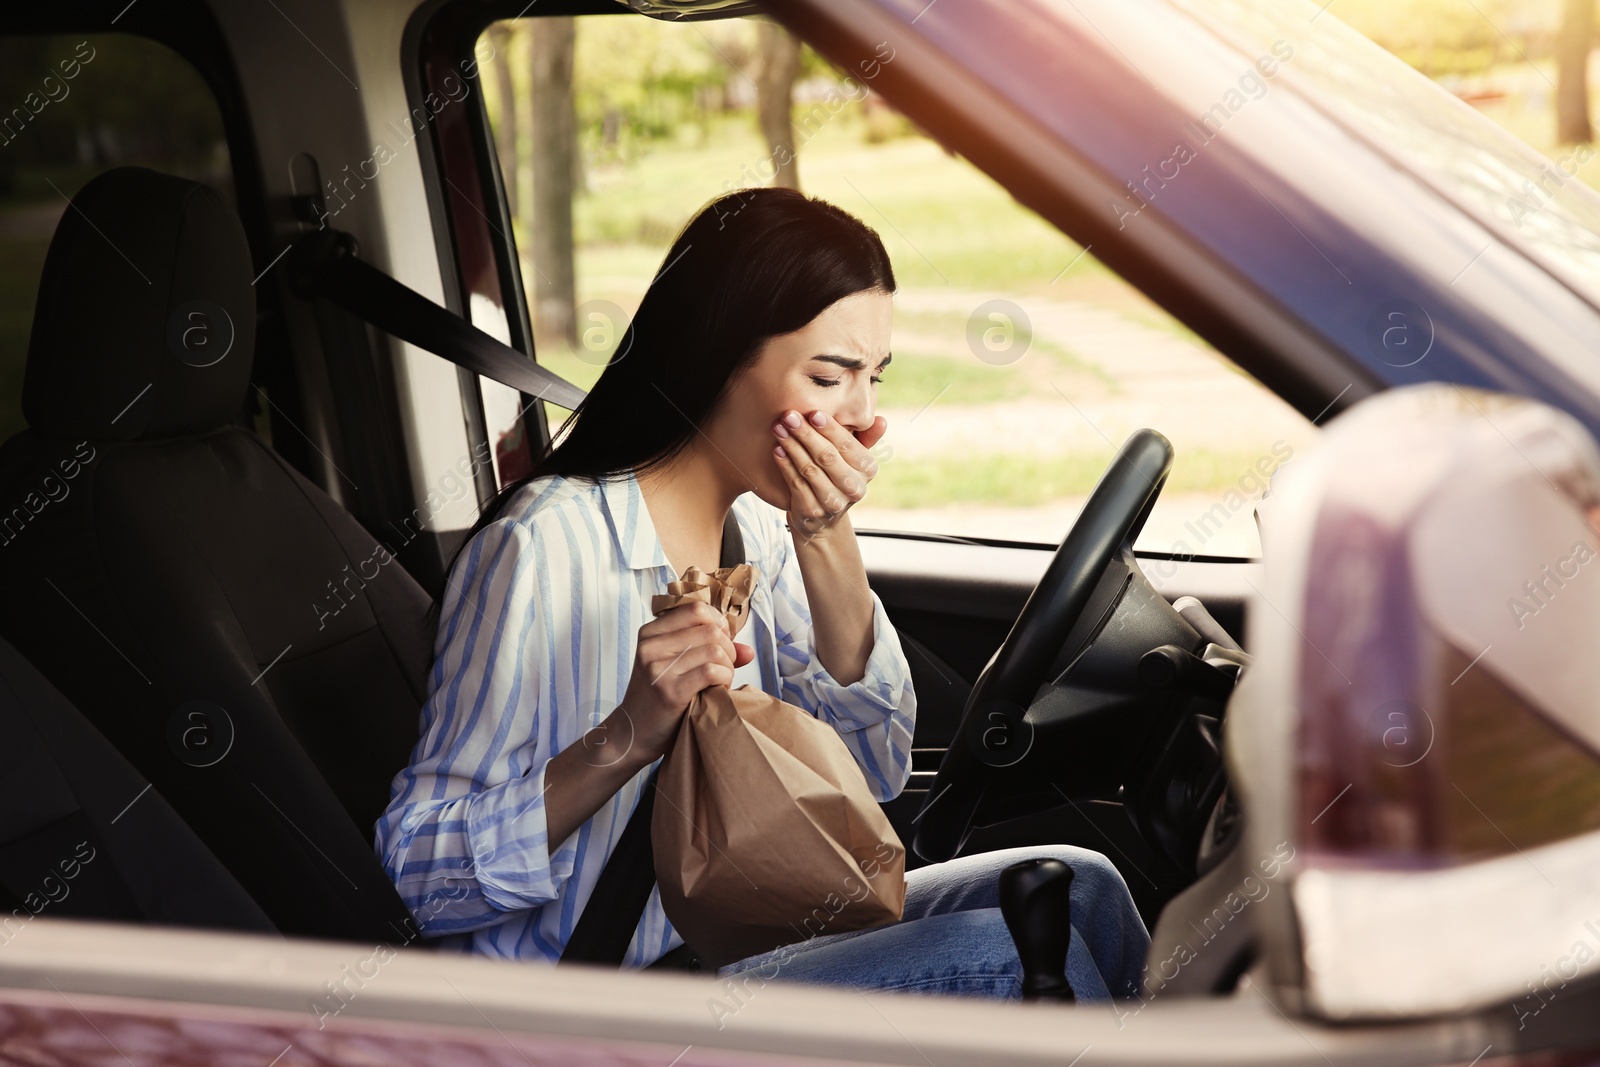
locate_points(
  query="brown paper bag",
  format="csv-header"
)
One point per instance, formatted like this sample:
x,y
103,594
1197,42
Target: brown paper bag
x,y
764,830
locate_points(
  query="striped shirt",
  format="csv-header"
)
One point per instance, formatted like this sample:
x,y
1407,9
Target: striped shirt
x,y
537,634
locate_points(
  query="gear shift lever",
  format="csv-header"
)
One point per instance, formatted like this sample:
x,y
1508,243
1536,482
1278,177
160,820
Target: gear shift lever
x,y
1036,904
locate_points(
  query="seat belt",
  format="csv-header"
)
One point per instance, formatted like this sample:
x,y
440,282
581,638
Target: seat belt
x,y
324,264
613,912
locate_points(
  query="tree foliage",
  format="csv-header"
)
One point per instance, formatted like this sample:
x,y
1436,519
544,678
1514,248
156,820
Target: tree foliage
x,y
1452,37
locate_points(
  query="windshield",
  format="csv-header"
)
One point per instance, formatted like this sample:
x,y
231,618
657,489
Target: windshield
x,y
1534,203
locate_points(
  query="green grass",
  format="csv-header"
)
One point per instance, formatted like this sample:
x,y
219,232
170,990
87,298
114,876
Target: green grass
x,y
1021,481
579,372
947,226
952,325
918,375
944,222
915,378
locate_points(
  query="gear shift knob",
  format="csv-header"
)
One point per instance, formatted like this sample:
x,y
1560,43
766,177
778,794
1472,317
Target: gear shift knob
x,y
1035,901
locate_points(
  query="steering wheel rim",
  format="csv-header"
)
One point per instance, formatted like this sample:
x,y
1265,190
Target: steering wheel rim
x,y
1109,523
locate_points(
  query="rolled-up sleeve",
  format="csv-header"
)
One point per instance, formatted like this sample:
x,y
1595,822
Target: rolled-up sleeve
x,y
464,837
876,714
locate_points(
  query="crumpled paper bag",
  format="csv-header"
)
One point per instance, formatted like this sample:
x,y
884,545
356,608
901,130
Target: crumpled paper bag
x,y
764,830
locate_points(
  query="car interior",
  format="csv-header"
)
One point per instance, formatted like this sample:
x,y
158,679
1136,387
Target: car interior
x,y
220,545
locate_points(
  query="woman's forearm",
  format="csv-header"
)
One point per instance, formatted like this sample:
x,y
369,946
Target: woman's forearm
x,y
585,775
840,601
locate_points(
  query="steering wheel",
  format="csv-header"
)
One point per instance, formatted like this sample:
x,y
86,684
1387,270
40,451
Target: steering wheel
x,y
998,725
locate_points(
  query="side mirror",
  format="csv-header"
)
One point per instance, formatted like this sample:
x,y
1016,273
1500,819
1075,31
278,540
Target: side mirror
x,y
1417,745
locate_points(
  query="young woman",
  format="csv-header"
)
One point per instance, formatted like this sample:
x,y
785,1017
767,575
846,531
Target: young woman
x,y
746,382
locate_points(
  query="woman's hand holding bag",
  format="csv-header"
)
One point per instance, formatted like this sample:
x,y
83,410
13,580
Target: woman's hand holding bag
x,y
764,830
680,652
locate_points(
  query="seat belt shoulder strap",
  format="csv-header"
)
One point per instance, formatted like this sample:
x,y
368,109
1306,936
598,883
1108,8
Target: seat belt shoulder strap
x,y
614,909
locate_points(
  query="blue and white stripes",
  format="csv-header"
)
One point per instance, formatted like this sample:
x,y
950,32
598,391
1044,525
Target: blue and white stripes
x,y
536,641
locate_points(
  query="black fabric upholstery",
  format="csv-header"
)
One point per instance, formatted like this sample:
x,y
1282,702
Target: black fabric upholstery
x,y
82,834
141,260
186,561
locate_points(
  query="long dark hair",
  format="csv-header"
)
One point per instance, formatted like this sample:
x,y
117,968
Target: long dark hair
x,y
751,265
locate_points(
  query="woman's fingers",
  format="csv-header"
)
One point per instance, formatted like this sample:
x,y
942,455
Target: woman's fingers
x,y
803,499
829,462
691,625
871,436
671,645
692,613
679,653
689,636
697,667
856,465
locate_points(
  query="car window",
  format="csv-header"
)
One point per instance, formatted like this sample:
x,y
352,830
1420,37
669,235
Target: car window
x,y
71,108
1531,200
1020,361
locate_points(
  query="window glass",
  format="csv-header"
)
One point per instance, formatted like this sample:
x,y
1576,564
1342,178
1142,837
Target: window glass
x,y
70,108
1020,361
1528,197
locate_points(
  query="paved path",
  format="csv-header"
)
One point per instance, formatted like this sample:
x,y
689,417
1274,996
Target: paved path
x,y
1157,378
1135,375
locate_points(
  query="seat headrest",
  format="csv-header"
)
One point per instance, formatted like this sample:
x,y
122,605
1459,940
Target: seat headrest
x,y
145,323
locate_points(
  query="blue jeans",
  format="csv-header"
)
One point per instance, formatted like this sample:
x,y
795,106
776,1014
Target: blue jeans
x,y
952,939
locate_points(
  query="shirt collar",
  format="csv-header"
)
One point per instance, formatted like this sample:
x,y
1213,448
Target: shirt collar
x,y
637,541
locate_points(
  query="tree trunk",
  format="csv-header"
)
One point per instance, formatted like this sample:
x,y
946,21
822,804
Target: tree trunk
x,y
505,127
1572,64
554,164
779,66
